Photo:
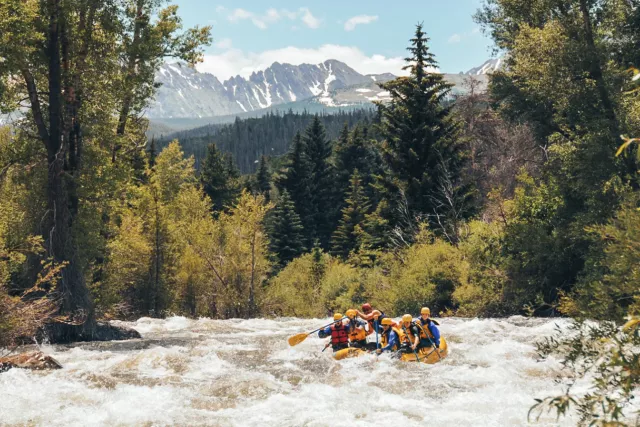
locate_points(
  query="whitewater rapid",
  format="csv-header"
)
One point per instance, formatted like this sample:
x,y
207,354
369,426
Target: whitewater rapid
x,y
243,373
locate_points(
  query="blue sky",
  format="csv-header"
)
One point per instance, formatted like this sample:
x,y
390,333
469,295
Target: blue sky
x,y
370,36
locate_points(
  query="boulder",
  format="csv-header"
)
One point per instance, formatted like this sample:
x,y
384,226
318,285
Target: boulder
x,y
32,360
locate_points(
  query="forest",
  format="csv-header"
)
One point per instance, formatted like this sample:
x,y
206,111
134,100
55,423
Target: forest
x,y
521,200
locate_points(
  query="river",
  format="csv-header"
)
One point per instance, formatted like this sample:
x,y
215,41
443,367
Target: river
x,y
243,373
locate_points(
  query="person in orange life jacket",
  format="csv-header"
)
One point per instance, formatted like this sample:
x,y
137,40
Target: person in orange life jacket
x,y
411,341
372,316
338,332
429,332
389,337
355,330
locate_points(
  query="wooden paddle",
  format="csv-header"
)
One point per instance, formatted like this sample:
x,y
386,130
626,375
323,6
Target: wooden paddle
x,y
297,339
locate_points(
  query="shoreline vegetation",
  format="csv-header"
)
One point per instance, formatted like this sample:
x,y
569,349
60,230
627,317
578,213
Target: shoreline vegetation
x,y
515,201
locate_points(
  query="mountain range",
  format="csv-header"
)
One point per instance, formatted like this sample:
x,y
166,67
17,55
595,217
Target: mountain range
x,y
188,94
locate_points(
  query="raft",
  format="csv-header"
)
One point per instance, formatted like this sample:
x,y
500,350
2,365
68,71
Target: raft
x,y
428,354
346,353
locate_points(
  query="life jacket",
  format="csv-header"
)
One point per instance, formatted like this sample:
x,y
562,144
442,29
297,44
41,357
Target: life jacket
x,y
425,332
384,337
372,323
408,337
339,337
356,334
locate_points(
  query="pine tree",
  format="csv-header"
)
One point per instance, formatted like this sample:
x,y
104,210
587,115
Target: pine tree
x,y
348,235
295,179
219,177
321,183
286,233
421,147
355,151
152,153
263,178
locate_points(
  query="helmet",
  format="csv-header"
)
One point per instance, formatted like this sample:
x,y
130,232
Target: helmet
x,y
351,313
366,308
376,314
387,321
425,310
407,318
337,316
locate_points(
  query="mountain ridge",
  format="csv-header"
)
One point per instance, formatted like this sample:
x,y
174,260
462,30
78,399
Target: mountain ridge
x,y
186,93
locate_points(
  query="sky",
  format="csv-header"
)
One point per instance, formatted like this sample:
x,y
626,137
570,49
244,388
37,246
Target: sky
x,y
371,36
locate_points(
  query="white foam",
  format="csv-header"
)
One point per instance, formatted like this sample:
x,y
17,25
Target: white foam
x,y
242,372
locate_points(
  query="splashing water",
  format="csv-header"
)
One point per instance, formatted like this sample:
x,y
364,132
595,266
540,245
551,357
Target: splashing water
x,y
243,373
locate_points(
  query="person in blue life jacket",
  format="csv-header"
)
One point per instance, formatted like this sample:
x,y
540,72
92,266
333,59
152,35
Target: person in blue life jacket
x,y
429,332
390,336
338,332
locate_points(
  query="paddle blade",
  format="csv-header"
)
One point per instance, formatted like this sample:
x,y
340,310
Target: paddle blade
x,y
297,339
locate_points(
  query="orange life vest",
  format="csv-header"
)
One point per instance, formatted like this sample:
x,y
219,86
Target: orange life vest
x,y
425,333
357,334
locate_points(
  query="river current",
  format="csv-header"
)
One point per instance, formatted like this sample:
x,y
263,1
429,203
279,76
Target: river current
x,y
243,373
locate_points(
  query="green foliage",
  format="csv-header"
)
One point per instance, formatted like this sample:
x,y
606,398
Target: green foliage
x,y
421,148
609,355
263,179
348,236
286,233
219,177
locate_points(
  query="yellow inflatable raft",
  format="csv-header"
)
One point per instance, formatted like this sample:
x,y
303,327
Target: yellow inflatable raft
x,y
346,353
428,354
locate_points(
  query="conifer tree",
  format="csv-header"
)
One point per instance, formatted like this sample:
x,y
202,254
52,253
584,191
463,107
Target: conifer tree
x,y
153,152
421,147
355,151
263,178
318,150
219,177
286,233
348,235
295,179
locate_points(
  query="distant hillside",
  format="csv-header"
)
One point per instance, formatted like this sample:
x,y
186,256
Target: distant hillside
x,y
271,135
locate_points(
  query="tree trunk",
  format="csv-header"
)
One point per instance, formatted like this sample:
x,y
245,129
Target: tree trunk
x,y
76,302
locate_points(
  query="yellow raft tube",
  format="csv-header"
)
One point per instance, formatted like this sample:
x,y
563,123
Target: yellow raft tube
x,y
425,355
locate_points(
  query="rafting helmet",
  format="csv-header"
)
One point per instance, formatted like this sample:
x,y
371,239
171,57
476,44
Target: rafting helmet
x,y
337,316
351,313
425,310
366,308
386,321
407,318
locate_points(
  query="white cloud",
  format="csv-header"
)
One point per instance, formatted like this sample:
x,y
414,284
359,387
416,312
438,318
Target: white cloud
x,y
308,19
223,44
235,61
271,16
351,23
456,38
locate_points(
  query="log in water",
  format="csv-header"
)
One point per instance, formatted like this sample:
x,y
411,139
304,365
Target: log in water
x,y
243,373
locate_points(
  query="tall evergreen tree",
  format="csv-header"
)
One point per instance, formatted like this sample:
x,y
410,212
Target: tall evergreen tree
x,y
355,151
421,145
321,184
286,233
153,152
348,235
295,179
263,178
219,178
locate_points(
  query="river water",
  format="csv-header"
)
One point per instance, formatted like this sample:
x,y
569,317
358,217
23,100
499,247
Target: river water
x,y
243,373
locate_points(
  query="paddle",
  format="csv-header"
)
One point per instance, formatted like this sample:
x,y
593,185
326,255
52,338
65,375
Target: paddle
x,y
435,348
375,325
297,339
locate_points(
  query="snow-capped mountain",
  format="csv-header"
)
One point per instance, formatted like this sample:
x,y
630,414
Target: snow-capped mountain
x,y
488,67
187,93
